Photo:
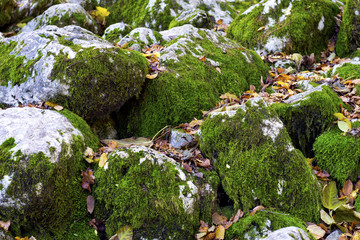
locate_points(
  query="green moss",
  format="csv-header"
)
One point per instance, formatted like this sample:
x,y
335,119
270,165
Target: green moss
x,y
90,139
189,86
145,196
13,68
52,191
251,224
117,34
305,120
348,36
349,71
100,80
202,21
338,155
256,169
6,10
299,26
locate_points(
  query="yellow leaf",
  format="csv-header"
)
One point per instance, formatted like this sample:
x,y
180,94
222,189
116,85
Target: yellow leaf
x,y
103,160
339,116
220,232
157,54
21,25
125,233
151,76
343,126
147,54
100,13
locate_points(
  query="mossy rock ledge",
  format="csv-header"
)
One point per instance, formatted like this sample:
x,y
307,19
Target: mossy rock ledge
x,y
307,115
290,26
189,85
63,15
71,67
150,192
257,163
40,182
349,34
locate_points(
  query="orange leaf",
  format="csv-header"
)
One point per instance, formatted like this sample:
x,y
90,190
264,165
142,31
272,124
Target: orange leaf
x,y
257,208
203,58
187,167
347,188
203,226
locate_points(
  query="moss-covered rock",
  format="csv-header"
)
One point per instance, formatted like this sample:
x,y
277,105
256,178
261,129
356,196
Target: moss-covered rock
x,y
157,14
261,224
40,163
70,66
307,115
349,70
116,31
349,34
290,26
147,190
190,85
143,37
198,18
257,163
338,154
63,15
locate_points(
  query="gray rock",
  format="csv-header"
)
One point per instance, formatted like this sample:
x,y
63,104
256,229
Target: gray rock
x,y
179,139
143,36
116,31
36,130
303,96
196,17
334,235
62,15
288,233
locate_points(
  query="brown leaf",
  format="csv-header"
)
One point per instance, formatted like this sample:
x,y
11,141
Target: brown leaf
x,y
5,225
252,88
220,232
97,224
357,185
88,179
347,188
220,21
203,226
210,236
238,215
203,58
218,219
204,164
257,208
90,202
187,167
228,224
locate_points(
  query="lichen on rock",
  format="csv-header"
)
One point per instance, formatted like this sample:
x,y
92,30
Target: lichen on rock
x,y
257,163
286,26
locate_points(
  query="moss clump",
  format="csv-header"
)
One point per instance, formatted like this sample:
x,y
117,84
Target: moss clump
x,y
255,224
189,86
6,10
145,195
197,18
259,169
338,155
306,119
349,37
100,80
117,33
13,68
349,71
301,27
48,196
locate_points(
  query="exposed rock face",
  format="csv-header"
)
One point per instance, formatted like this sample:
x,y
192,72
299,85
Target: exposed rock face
x,y
70,66
286,26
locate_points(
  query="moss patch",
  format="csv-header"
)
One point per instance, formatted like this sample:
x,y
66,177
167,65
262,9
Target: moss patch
x,y
52,191
252,224
189,86
100,80
6,10
300,27
338,155
145,196
305,120
349,71
349,36
256,169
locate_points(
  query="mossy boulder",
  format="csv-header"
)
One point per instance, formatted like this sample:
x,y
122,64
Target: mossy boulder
x,y
349,34
40,162
149,191
143,37
338,154
290,26
198,18
189,85
116,31
349,70
307,115
63,15
69,66
257,163
157,14
262,224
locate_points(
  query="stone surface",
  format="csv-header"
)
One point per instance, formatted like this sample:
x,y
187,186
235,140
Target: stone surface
x,y
197,18
288,233
334,235
179,139
290,26
116,31
70,66
63,15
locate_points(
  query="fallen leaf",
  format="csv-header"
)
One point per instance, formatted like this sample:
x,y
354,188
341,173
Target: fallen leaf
x,y
220,21
326,217
5,225
220,232
125,233
152,76
103,160
204,164
203,226
257,208
90,202
88,179
127,142
343,126
218,219
187,167
97,224
203,58
58,108
238,215
347,188
316,231
261,28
